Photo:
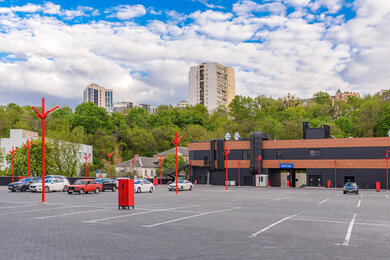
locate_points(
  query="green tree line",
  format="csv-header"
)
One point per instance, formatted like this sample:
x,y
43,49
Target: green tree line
x,y
138,132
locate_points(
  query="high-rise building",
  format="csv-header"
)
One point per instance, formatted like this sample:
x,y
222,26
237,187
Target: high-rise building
x,y
100,96
212,85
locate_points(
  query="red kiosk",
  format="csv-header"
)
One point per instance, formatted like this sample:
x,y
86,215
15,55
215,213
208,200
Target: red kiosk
x,y
126,193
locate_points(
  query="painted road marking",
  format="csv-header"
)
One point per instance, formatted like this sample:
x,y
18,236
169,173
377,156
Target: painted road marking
x,y
274,224
340,222
134,214
358,205
387,196
361,195
280,198
349,231
322,202
71,213
36,210
193,216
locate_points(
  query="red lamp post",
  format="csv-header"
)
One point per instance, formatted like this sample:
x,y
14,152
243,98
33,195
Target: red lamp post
x,y
27,146
86,165
109,154
191,169
335,173
160,160
13,151
239,173
133,161
226,153
43,116
258,159
176,142
387,169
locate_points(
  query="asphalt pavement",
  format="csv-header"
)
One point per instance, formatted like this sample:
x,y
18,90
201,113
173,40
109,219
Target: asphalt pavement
x,y
205,223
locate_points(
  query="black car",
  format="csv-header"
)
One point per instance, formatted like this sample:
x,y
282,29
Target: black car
x,y
22,185
108,183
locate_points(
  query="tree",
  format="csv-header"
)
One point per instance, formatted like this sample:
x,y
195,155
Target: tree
x,y
322,98
92,118
169,163
382,126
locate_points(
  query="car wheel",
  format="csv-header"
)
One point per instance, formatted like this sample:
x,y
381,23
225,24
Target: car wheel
x,y
47,189
139,190
151,190
65,187
81,191
357,192
114,189
344,192
103,190
97,190
13,190
181,188
69,192
23,189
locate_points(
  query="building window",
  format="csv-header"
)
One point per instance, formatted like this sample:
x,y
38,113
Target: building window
x,y
279,154
315,152
246,155
206,160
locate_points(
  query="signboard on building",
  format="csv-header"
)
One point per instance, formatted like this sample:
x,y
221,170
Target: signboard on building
x,y
286,165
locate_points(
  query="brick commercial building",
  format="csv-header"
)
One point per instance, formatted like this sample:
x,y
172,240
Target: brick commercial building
x,y
312,161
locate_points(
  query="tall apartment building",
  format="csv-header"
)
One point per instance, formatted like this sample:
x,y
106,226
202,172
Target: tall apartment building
x,y
100,96
211,85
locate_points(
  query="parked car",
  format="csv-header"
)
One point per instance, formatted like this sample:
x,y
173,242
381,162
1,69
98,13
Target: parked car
x,y
22,185
181,185
50,185
351,187
59,177
108,183
85,186
141,185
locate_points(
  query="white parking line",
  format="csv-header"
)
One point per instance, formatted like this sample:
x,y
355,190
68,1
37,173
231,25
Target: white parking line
x,y
358,205
280,198
36,210
340,222
322,202
71,213
12,207
193,216
134,214
349,231
361,195
274,224
387,196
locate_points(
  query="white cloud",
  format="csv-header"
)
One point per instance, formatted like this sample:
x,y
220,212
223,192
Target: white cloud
x,y
126,12
50,8
247,7
272,55
207,4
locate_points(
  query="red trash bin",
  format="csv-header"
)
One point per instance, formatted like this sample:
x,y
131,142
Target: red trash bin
x,y
288,183
378,186
126,193
155,181
328,184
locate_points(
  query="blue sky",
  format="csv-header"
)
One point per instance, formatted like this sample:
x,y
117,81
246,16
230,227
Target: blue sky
x,y
143,49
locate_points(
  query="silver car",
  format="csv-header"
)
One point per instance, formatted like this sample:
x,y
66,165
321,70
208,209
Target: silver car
x,y
181,185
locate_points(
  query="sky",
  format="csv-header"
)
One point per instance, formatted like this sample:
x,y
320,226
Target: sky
x,y
143,49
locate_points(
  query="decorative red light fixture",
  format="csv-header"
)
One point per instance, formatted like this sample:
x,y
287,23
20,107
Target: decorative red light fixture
x,y
109,154
27,146
176,142
12,152
226,153
258,159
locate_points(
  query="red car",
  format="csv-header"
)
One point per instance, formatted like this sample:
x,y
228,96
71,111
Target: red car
x,y
84,186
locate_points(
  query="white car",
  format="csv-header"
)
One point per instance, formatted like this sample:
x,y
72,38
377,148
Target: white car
x,y
141,185
67,183
181,185
50,185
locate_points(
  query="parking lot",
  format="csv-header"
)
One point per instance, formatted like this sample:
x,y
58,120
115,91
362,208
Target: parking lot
x,y
205,223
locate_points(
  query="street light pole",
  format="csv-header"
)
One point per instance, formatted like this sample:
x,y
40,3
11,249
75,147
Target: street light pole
x,y
160,160
176,142
28,156
43,116
86,165
132,161
335,173
258,159
226,153
13,151
109,154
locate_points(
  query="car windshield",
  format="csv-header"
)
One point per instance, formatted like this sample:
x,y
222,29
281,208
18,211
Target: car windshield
x,y
99,180
48,180
350,184
180,181
24,180
79,182
137,182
